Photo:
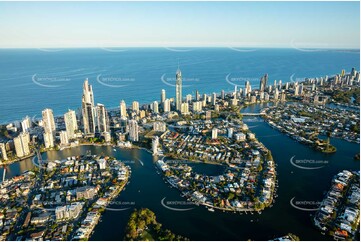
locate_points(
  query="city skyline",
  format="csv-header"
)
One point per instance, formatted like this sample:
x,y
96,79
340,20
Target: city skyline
x,y
202,24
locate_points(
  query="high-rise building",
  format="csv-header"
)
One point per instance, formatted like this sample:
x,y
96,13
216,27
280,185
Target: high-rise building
x,y
263,82
214,98
26,124
155,143
64,138
283,96
135,107
155,107
214,133
48,121
198,96
123,109
197,106
102,118
88,112
222,94
71,123
3,151
276,94
162,96
133,130
178,90
184,108
166,106
48,140
21,143
204,100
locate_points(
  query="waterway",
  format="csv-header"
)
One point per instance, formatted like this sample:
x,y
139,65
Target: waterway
x,y
148,189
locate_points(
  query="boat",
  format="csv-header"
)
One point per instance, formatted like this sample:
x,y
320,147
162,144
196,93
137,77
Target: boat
x,y
210,209
114,149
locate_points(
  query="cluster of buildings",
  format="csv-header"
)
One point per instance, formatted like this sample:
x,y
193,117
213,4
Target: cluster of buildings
x,y
13,199
247,186
305,122
339,212
208,140
65,200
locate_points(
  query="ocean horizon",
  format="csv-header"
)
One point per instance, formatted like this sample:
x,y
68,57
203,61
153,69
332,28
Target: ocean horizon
x,y
34,79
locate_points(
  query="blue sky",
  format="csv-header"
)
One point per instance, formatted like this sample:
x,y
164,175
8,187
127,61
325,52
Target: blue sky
x,y
231,24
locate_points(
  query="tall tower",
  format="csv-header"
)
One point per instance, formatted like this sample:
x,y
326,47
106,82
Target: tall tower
x,y
162,96
71,123
178,90
102,118
48,120
123,109
88,109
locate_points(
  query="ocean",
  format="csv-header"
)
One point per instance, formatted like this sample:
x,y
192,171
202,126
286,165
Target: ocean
x,y
34,79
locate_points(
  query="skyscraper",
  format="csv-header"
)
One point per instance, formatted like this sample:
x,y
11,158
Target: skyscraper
x,y
133,130
71,123
102,118
178,90
48,140
155,107
123,109
64,138
26,124
22,144
3,151
214,98
48,121
198,96
135,107
166,106
88,109
263,82
162,96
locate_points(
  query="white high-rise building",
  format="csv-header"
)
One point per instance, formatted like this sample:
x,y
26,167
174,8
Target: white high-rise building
x,y
26,124
123,110
155,143
188,98
155,107
135,107
88,111
162,96
214,98
197,106
48,121
185,108
214,133
159,126
3,151
166,105
48,140
64,138
22,144
71,124
178,90
102,118
133,130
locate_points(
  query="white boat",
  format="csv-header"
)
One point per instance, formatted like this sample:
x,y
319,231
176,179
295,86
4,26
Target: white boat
x,y
210,209
114,149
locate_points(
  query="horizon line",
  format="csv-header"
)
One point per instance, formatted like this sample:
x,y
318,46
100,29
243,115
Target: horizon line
x,y
192,47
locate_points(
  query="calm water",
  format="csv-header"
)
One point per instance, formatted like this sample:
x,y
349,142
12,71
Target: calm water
x,y
147,189
31,80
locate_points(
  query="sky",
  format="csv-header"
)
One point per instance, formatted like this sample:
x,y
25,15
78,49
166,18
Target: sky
x,y
177,24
